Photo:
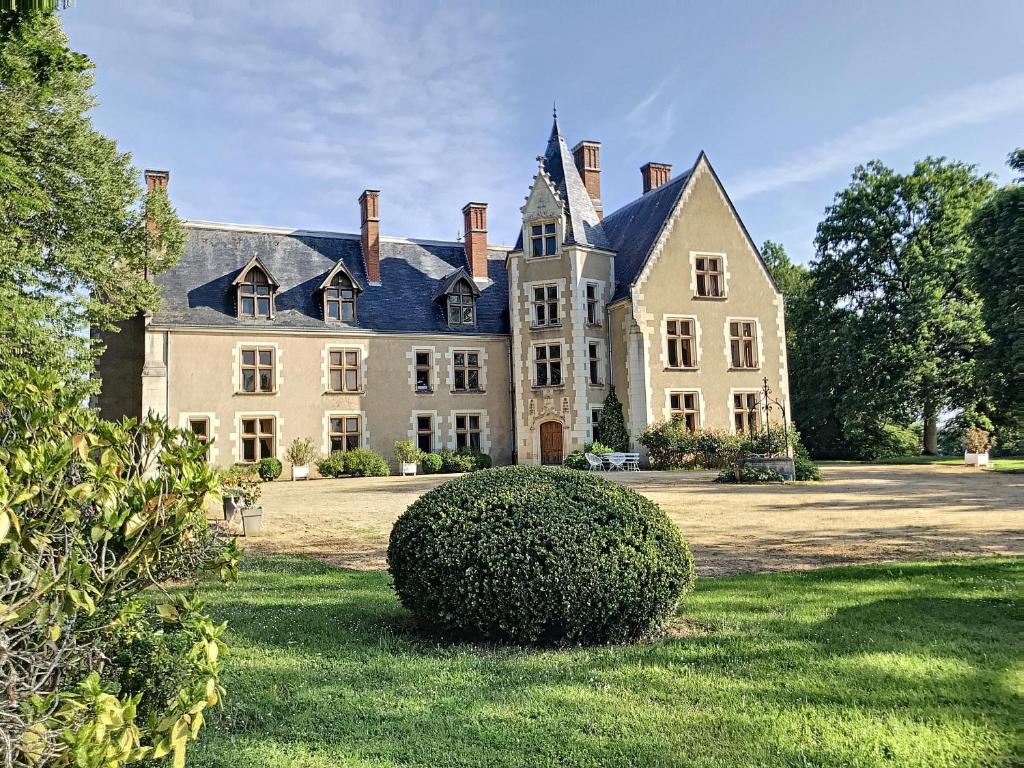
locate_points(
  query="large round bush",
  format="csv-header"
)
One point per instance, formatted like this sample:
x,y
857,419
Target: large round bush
x,y
538,555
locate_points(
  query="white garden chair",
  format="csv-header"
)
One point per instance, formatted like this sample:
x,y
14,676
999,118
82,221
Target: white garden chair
x,y
632,462
616,461
596,465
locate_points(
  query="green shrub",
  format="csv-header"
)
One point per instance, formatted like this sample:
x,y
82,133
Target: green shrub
x,y
484,461
805,469
242,481
92,514
407,452
362,462
301,452
332,465
750,474
456,461
538,555
269,469
576,459
431,463
669,444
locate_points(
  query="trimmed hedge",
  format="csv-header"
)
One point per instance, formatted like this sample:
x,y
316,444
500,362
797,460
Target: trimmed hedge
x,y
269,469
538,555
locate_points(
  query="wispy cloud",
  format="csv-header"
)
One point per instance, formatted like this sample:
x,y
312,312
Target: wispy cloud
x,y
651,121
968,106
332,99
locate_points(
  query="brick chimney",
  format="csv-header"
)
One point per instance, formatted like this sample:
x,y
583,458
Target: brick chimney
x,y
655,174
474,217
369,216
587,155
155,180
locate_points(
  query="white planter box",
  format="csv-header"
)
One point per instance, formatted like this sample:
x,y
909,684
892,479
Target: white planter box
x,y
408,468
976,459
252,521
300,473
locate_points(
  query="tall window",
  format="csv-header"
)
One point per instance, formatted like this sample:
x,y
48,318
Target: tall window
x,y
425,433
423,373
593,312
545,305
257,438
340,299
258,370
710,280
467,431
343,433
743,343
595,424
745,412
200,427
461,305
594,363
466,369
680,343
548,365
344,370
542,239
255,294
684,406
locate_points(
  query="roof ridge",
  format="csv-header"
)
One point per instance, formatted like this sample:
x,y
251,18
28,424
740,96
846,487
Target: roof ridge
x,y
269,230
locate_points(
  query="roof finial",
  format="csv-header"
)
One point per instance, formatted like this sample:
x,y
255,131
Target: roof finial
x,y
554,109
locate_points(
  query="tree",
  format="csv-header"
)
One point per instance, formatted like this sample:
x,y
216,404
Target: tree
x,y
892,293
792,279
612,424
998,230
75,249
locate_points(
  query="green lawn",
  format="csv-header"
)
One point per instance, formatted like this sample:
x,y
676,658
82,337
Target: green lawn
x,y
908,665
1010,464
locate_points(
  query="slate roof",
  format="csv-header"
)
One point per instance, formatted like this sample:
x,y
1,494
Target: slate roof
x,y
583,226
197,291
634,228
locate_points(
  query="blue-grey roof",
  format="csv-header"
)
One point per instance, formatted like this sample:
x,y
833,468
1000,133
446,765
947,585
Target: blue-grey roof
x,y
633,230
583,225
197,290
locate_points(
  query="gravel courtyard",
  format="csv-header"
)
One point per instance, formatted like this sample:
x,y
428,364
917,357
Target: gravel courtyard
x,y
859,514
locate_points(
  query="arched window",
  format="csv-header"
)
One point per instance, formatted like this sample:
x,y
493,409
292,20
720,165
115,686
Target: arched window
x,y
340,299
462,304
255,294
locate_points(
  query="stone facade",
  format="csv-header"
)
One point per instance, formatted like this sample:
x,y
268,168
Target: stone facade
x,y
593,294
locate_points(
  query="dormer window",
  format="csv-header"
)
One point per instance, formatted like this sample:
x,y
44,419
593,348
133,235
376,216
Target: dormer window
x,y
340,299
461,305
255,294
542,239
459,293
255,288
340,291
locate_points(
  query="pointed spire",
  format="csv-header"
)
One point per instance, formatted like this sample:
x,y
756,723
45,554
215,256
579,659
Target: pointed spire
x,y
556,132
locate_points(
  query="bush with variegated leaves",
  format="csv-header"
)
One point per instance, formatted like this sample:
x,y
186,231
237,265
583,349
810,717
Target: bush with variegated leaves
x,y
95,517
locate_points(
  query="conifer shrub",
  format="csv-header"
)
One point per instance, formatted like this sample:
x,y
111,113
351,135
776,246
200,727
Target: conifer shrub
x,y
538,555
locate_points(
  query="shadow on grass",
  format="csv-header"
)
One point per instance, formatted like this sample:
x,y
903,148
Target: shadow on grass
x,y
866,666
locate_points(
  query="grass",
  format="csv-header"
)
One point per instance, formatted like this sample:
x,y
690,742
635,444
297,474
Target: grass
x,y
900,665
1008,464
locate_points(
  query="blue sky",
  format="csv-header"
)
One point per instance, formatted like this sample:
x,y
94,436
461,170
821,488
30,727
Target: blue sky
x,y
281,113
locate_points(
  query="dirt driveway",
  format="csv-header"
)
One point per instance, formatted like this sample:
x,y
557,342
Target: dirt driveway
x,y
859,514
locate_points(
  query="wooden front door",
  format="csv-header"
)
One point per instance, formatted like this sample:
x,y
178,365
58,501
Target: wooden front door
x,y
551,443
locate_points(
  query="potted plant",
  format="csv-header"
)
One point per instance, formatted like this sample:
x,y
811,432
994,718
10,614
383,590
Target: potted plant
x,y
241,491
407,454
976,444
300,454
